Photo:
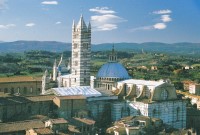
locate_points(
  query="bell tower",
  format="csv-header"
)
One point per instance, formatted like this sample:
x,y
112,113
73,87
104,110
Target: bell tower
x,y
81,53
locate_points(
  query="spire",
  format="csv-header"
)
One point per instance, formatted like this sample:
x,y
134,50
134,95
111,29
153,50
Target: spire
x,y
81,23
73,26
113,49
89,26
55,63
113,56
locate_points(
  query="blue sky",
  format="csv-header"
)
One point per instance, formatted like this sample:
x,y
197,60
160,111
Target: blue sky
x,y
112,21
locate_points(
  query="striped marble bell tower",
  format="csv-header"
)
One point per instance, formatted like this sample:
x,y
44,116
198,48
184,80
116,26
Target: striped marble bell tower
x,y
81,53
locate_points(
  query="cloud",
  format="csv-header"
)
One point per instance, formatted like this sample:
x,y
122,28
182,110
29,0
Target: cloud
x,y
165,11
3,4
49,3
166,18
142,28
7,26
160,26
58,22
102,10
30,24
106,20
106,27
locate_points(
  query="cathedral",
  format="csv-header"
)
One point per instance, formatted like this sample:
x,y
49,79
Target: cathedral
x,y
112,92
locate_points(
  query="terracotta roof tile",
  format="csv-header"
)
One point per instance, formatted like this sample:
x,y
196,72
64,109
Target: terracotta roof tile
x,y
20,126
43,131
20,79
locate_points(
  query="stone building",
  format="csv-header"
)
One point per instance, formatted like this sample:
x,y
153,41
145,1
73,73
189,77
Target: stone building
x,y
21,85
150,98
18,108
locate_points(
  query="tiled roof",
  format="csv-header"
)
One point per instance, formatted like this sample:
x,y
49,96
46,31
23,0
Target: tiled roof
x,y
41,98
84,120
20,79
43,131
58,121
19,99
20,126
71,97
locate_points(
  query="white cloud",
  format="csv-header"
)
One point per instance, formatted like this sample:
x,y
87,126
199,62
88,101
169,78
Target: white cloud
x,y
3,4
30,24
142,28
58,22
165,11
7,26
49,3
160,26
102,10
166,18
106,27
105,22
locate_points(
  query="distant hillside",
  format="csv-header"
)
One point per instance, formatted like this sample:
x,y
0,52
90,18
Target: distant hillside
x,y
177,48
21,46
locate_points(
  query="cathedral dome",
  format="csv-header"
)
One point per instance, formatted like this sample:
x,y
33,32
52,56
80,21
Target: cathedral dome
x,y
113,70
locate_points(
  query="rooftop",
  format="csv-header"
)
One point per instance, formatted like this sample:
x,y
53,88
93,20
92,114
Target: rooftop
x,y
20,79
143,82
71,97
86,91
20,126
83,120
58,121
19,99
113,70
43,131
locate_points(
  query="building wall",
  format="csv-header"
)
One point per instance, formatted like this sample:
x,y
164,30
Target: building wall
x,y
171,112
10,111
70,107
23,88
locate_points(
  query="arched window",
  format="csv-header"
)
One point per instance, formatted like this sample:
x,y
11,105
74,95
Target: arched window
x,y
6,90
12,91
177,113
31,90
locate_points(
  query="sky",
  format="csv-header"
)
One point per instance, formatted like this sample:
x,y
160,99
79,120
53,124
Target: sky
x,y
113,21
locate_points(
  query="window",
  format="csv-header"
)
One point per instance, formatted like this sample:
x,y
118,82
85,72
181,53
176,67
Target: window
x,y
84,80
75,72
18,90
75,45
74,79
76,63
12,91
84,72
75,55
154,112
31,90
177,113
6,90
29,109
